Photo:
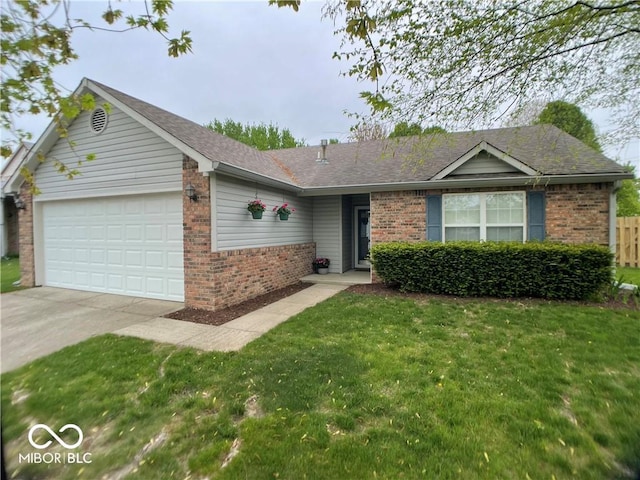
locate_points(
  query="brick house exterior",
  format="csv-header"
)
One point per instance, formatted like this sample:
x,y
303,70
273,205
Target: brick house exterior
x,y
360,194
215,280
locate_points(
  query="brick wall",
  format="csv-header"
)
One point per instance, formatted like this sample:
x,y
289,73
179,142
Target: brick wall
x,y
398,216
242,274
25,227
215,280
574,213
578,213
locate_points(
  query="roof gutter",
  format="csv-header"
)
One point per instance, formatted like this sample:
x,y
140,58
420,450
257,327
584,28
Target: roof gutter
x,y
519,181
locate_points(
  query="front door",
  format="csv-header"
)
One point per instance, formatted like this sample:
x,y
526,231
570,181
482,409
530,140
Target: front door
x,y
362,238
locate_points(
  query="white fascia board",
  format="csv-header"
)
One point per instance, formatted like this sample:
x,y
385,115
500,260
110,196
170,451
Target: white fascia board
x,y
466,183
487,147
244,174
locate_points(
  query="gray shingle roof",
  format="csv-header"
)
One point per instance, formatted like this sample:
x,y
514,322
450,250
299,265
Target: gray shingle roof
x,y
544,148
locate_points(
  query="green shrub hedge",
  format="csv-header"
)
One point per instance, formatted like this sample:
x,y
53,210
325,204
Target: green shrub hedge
x,y
495,269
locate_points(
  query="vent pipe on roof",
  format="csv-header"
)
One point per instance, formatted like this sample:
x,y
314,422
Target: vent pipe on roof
x,y
323,159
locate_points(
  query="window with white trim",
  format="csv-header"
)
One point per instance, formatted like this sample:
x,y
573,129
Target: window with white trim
x,y
484,216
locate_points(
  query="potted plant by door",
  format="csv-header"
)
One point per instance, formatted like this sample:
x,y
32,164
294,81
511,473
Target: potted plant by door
x,y
256,207
321,265
283,211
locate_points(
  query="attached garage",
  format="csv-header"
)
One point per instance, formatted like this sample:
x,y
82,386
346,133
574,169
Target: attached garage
x,y
115,226
127,245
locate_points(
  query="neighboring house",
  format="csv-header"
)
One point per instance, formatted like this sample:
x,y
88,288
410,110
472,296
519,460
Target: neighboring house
x,y
8,211
126,226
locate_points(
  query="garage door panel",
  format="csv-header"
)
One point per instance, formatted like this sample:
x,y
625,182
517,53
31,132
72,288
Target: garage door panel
x,y
81,255
133,233
127,245
98,281
81,278
175,260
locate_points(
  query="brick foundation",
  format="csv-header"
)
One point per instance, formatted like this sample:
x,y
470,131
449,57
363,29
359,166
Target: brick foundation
x,y
215,280
25,228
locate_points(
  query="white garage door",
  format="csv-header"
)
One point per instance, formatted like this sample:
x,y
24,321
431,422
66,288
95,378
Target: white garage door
x,y
125,245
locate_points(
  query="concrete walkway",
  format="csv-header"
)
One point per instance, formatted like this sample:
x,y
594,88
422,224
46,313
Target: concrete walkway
x,y
40,321
235,334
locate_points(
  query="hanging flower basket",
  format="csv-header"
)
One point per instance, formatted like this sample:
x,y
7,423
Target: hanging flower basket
x,y
283,211
256,207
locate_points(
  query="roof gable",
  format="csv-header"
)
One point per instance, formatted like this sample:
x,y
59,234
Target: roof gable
x,y
484,159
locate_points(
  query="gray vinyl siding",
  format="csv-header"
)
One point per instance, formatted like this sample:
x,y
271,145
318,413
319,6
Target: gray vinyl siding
x,y
347,233
483,164
234,228
327,223
130,158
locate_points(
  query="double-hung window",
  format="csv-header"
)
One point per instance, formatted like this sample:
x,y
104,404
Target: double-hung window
x,y
484,216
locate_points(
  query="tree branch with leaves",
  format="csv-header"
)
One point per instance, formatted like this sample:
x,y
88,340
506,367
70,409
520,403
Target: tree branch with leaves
x,y
469,62
36,39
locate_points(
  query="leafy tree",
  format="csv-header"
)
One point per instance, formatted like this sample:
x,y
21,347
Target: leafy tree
x,y
434,129
260,136
569,117
36,38
465,61
627,198
404,129
333,141
364,131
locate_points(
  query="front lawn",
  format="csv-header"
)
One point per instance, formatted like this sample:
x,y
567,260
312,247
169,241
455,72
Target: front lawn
x,y
357,387
9,273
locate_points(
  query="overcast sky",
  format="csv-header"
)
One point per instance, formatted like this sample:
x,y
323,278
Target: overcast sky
x,y
250,62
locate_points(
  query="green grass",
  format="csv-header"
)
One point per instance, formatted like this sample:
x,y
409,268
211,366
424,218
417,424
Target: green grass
x,y
9,273
628,274
356,387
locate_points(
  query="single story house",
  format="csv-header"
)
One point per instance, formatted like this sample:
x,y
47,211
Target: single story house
x,y
162,211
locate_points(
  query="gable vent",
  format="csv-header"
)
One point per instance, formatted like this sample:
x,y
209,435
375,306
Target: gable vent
x,y
98,121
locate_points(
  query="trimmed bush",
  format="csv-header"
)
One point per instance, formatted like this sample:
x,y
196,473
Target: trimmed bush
x,y
495,269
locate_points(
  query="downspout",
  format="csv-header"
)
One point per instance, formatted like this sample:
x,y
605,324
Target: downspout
x,y
612,216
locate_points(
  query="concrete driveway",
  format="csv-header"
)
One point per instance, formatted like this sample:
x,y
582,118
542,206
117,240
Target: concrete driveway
x,y
40,321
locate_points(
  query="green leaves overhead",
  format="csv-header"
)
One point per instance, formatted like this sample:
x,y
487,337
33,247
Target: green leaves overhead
x,y
294,4
468,62
36,39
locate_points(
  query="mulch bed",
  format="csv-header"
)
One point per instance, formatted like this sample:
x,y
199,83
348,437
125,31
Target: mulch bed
x,y
221,317
622,301
225,315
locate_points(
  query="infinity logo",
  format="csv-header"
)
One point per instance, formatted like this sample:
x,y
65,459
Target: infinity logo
x,y
53,434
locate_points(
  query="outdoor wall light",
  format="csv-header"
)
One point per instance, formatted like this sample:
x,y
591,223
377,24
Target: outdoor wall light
x,y
20,204
190,191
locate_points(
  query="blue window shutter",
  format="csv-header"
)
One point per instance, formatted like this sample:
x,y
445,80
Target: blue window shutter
x,y
434,218
536,207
